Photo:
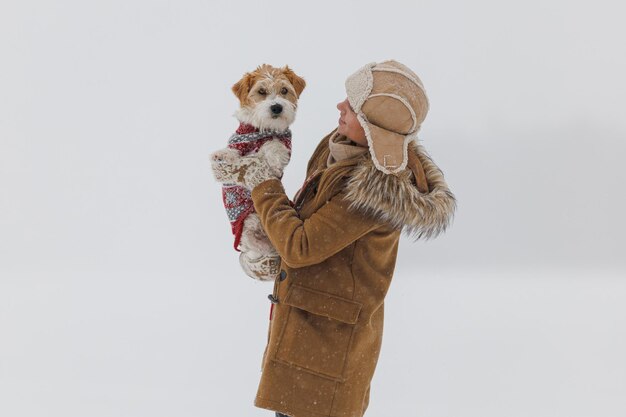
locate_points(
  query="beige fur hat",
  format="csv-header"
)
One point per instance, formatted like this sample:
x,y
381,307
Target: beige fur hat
x,y
391,104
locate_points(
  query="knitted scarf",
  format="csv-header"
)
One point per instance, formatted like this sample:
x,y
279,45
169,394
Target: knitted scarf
x,y
341,148
237,199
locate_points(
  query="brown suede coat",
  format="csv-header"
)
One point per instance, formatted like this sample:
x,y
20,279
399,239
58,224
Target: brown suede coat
x,y
338,253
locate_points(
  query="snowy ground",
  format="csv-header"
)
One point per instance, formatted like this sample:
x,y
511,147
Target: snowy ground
x,y
456,343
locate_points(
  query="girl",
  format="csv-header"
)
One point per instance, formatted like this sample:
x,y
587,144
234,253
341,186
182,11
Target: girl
x,y
367,181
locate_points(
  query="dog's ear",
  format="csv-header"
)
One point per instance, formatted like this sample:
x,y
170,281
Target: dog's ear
x,y
297,82
242,87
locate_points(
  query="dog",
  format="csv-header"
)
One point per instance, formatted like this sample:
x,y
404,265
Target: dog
x,y
268,100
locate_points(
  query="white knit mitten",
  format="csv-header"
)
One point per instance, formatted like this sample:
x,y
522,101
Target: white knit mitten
x,y
249,171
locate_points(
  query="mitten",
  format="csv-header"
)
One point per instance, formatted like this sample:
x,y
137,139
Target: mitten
x,y
249,171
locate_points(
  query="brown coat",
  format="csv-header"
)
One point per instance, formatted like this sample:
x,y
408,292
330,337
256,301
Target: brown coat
x,y
338,249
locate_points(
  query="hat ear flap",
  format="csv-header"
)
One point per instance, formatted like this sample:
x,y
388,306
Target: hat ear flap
x,y
295,80
359,86
242,87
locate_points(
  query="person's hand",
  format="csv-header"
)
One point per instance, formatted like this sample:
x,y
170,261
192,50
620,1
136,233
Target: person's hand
x,y
249,171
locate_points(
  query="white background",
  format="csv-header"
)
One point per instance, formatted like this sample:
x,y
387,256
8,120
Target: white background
x,y
121,294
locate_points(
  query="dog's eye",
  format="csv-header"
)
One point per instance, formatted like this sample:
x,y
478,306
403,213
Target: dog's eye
x,y
262,91
284,90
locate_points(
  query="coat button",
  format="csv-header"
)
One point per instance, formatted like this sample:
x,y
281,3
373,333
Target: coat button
x,y
272,299
282,275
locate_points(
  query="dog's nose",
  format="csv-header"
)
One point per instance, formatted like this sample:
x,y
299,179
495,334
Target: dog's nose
x,y
276,108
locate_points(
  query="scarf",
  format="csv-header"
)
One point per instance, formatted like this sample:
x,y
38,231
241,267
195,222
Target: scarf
x,y
248,138
237,199
342,148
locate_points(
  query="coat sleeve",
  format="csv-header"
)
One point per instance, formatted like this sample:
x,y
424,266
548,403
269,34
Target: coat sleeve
x,y
307,242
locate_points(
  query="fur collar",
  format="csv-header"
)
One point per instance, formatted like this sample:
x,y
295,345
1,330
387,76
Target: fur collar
x,y
396,200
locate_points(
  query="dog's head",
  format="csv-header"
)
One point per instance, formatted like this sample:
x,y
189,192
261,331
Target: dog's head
x,y
268,97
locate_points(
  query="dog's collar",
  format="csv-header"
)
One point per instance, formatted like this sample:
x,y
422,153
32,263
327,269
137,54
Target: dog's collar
x,y
245,128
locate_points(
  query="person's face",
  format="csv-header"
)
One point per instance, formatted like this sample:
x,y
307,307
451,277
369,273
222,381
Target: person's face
x,y
349,125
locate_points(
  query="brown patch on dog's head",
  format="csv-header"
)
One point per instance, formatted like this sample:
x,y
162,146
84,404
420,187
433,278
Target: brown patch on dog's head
x,y
267,80
295,80
242,87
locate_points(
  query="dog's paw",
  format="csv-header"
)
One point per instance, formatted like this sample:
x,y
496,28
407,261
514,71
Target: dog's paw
x,y
225,155
276,154
224,165
261,268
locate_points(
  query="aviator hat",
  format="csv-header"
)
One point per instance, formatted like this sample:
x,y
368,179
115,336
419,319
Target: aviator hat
x,y
391,103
